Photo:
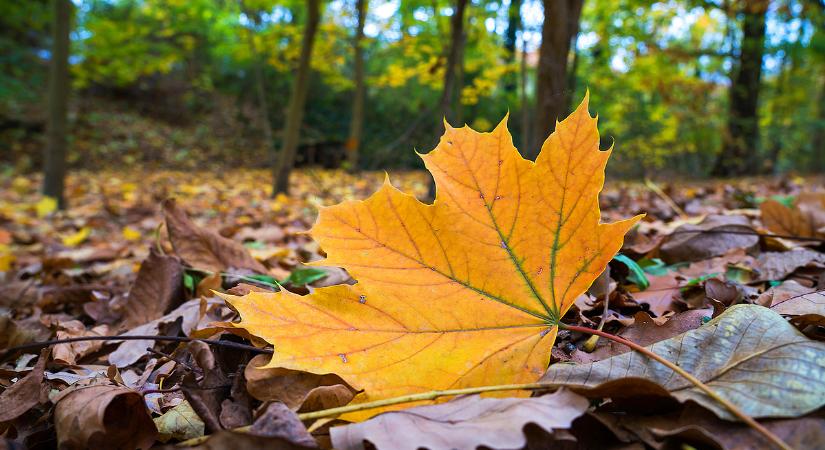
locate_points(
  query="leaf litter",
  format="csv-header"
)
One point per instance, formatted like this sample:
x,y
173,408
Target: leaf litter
x,y
133,264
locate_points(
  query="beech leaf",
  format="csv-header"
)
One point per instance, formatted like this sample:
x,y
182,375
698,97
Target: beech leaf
x,y
749,355
464,292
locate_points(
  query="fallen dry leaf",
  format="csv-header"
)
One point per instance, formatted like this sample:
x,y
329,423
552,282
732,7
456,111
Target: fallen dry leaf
x,y
190,313
26,393
693,425
707,239
749,355
778,265
295,388
180,422
204,249
102,416
158,288
805,219
69,353
464,423
481,275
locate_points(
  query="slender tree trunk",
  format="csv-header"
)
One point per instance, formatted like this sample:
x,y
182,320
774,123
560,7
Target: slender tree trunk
x,y
356,127
571,71
740,143
295,113
819,129
513,24
260,88
54,169
525,101
451,70
561,25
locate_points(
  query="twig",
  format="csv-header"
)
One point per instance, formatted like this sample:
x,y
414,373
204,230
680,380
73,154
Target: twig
x,y
42,344
658,191
696,382
752,233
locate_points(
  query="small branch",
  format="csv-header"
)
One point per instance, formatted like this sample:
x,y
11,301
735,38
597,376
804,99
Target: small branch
x,y
752,233
696,382
658,191
39,345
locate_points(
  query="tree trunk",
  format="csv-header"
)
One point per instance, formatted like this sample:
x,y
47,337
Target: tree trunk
x,y
451,70
525,101
260,87
357,122
295,113
561,25
513,24
54,169
740,143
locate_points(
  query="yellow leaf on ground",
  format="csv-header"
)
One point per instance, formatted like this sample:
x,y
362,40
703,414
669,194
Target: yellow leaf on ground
x,y
76,238
131,234
7,258
45,206
464,292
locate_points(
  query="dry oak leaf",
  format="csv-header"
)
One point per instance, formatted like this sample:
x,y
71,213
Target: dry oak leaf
x,y
464,292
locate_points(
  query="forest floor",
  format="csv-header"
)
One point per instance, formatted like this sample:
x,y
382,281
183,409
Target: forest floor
x,y
108,266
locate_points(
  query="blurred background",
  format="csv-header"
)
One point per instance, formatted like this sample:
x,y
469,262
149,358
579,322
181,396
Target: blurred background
x,y
686,88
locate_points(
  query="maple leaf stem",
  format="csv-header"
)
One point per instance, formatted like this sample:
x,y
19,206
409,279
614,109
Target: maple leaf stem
x,y
750,421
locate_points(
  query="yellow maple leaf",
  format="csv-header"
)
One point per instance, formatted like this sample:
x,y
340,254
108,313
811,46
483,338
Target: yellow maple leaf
x,y
76,238
465,292
7,258
130,234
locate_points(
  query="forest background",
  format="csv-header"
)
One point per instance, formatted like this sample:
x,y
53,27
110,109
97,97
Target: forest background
x,y
686,87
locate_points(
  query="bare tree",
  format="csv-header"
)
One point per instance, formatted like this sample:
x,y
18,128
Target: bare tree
x,y
297,101
452,71
561,26
740,143
54,169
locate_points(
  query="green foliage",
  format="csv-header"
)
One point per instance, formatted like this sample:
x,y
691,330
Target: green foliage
x,y
659,71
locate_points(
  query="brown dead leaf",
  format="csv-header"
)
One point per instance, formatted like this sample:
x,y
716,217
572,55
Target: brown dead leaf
x,y
724,292
208,284
190,313
659,296
70,353
778,265
298,390
464,423
779,294
26,393
708,239
157,289
202,248
279,421
102,416
645,331
698,428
